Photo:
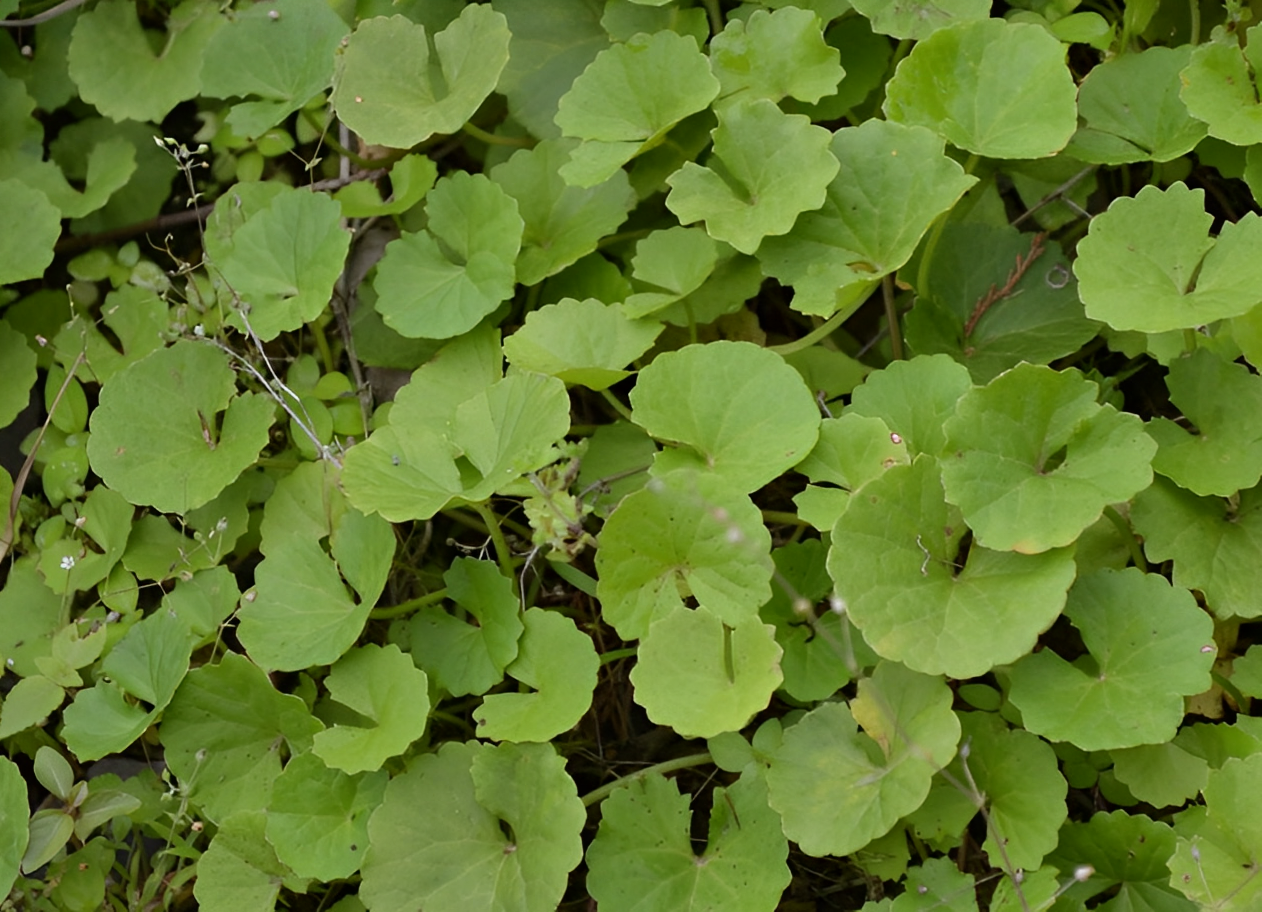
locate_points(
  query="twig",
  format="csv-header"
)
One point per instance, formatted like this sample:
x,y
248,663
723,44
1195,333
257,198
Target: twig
x,y
1015,276
52,13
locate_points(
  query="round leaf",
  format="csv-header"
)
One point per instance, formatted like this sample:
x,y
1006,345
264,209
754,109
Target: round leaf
x,y
920,19
14,833
914,398
157,437
1150,646
584,342
26,247
774,55
739,411
1218,88
1035,458
995,88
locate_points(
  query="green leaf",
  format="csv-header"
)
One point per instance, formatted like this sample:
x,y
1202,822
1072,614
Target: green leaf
x,y
284,262
672,263
994,88
920,19
767,168
628,98
553,41
1024,790
580,342
282,54
775,55
468,658
381,684
1037,459
239,871
30,614
13,823
143,194
456,856
937,884
894,181
441,282
958,314
914,398
563,223
1126,852
1221,400
30,702
556,659
684,534
101,721
53,772
836,788
642,856
1148,264
1216,546
224,732
893,558
390,91
1150,646
17,363
411,177
302,614
117,70
318,817
157,437
1163,775
1218,88
1218,854
26,253
736,409
1132,110
701,675
139,319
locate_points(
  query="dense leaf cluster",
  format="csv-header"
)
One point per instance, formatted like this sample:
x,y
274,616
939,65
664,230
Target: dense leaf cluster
x,y
434,423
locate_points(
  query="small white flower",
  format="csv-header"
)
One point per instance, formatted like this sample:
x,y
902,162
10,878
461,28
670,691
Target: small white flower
x,y
199,330
67,562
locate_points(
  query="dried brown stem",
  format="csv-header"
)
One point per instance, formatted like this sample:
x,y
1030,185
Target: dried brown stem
x,y
1024,262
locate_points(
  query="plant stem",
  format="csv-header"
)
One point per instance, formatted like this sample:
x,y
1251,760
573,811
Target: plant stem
x,y
492,139
502,554
322,344
393,611
678,763
822,331
617,404
891,317
1132,545
1194,7
614,655
715,15
783,517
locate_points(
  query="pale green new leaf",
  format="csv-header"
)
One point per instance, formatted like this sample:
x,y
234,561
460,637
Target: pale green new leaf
x,y
559,662
1132,110
562,223
702,676
642,857
302,614
767,168
893,559
13,822
381,684
317,819
224,733
894,181
994,88
117,70
914,398
411,177
454,855
1219,852
282,53
284,262
385,91
628,98
157,435
1033,458
441,283
1148,263
683,534
1125,851
920,19
838,788
1223,401
1025,792
239,871
468,658
672,263
580,342
1150,646
733,409
1216,546
775,55
26,245
1218,87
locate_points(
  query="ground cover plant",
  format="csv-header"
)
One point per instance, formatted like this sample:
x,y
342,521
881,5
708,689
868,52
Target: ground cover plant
x,y
633,454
